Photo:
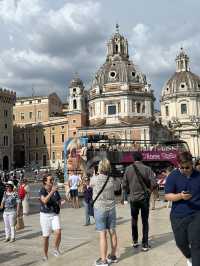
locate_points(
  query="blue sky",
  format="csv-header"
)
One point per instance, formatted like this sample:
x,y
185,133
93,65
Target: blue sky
x,y
44,42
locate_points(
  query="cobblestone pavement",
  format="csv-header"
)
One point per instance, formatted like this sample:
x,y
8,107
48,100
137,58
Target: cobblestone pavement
x,y
79,245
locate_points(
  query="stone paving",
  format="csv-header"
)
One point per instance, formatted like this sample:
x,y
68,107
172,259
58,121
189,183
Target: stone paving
x,y
79,245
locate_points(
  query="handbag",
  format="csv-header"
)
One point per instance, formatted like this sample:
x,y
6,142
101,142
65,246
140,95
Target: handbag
x,y
147,192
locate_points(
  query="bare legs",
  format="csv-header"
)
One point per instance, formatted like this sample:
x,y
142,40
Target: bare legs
x,y
104,244
56,242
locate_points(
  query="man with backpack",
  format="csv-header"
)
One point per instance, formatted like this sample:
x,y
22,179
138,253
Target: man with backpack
x,y
139,179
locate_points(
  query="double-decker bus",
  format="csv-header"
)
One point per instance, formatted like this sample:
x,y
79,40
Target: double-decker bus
x,y
82,153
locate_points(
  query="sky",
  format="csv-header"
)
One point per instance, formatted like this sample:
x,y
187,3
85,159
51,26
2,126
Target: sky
x,y
45,42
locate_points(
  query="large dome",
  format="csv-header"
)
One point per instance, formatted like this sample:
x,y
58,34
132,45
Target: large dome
x,y
183,80
118,71
118,68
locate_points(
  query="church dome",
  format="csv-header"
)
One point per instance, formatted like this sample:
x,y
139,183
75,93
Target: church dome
x,y
118,68
183,79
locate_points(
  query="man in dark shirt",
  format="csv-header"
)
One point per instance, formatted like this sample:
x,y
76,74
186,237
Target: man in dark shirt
x,y
139,196
183,189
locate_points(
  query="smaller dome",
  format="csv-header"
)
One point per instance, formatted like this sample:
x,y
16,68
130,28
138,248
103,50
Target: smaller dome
x,y
182,81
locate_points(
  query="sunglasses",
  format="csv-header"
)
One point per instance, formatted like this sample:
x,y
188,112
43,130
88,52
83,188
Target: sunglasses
x,y
185,168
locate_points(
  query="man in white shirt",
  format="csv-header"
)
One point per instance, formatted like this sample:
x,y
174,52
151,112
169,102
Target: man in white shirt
x,y
74,181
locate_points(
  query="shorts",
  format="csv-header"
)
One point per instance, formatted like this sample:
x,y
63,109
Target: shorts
x,y
105,220
74,193
49,222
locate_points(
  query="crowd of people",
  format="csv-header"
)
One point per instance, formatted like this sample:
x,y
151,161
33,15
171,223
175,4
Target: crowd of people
x,y
182,191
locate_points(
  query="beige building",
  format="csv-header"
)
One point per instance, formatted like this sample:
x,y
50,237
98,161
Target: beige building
x,y
180,104
120,101
39,139
7,100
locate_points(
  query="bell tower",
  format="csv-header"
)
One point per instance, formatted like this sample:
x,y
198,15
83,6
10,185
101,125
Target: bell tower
x,y
77,96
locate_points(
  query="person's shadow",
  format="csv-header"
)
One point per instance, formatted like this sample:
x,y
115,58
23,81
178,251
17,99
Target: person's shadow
x,y
154,241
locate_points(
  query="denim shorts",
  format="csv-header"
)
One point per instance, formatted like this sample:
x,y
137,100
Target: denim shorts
x,y
105,219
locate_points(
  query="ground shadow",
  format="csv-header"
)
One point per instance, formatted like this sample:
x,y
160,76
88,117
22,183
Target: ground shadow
x,y
30,236
154,241
11,256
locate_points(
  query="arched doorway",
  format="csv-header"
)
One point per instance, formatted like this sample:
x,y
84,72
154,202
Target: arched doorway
x,y
5,163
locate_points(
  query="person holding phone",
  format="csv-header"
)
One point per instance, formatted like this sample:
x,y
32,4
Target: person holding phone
x,y
183,189
49,214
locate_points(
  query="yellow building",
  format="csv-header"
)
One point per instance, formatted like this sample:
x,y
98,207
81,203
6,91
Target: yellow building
x,y
7,100
43,124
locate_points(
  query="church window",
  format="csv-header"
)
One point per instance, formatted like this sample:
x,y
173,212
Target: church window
x,y
22,116
116,47
74,104
138,107
183,108
112,109
133,74
112,74
182,86
167,110
74,90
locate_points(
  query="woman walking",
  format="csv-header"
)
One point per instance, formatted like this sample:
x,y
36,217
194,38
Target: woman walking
x,y
49,214
104,212
10,203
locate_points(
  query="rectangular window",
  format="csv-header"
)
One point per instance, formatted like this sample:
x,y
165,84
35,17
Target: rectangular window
x,y
5,141
30,115
36,157
36,140
53,156
53,139
5,113
167,110
63,138
183,108
44,140
112,109
63,156
22,116
39,115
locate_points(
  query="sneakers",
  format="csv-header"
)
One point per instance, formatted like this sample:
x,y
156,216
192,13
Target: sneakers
x,y
101,262
6,240
56,253
12,240
189,262
145,247
112,259
45,258
135,244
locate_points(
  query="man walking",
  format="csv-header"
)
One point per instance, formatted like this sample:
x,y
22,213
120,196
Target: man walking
x,y
139,178
183,189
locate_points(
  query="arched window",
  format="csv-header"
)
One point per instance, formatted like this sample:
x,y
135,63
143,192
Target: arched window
x,y
116,48
74,104
138,107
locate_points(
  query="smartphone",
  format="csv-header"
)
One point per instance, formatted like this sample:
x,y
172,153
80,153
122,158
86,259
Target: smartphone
x,y
186,192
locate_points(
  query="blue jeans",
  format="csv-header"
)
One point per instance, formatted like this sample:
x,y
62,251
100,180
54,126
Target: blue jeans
x,y
105,220
87,216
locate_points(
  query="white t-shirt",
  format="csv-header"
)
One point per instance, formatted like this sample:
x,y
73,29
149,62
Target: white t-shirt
x,y
74,181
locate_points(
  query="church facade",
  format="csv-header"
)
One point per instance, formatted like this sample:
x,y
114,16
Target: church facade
x,y
120,101
180,104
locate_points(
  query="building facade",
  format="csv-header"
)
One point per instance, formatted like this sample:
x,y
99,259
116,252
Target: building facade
x,y
7,100
40,143
120,101
180,104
